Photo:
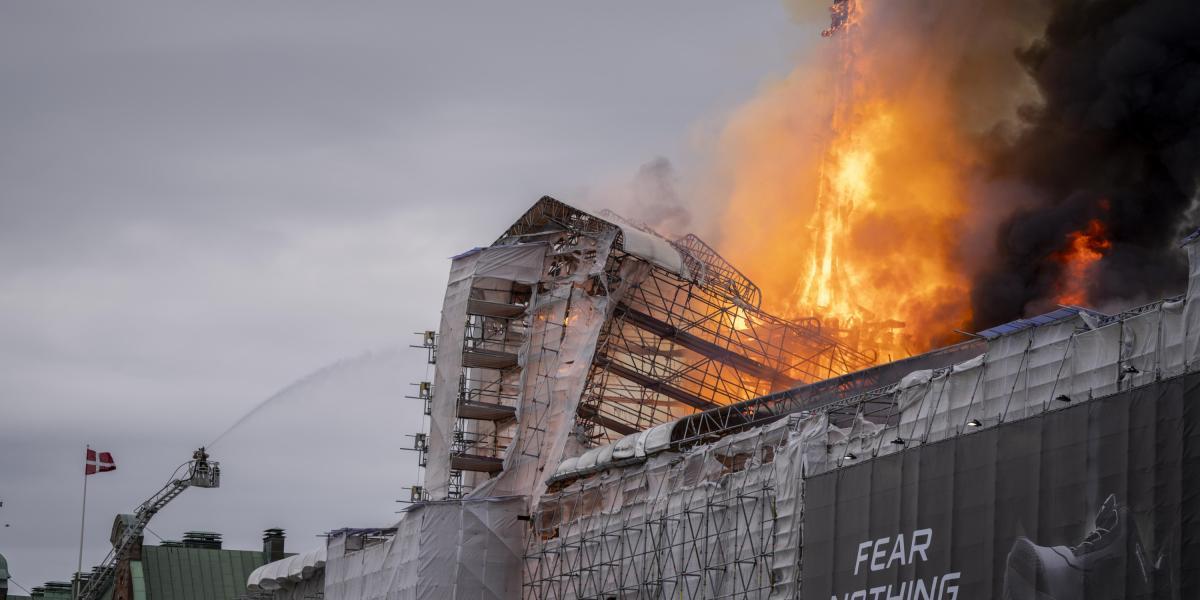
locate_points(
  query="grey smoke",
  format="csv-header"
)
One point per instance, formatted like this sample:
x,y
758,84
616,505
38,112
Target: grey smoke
x,y
655,200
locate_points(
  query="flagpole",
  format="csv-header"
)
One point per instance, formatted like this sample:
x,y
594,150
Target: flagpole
x,y
82,521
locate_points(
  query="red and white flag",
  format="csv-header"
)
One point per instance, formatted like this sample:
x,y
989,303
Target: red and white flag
x,y
98,462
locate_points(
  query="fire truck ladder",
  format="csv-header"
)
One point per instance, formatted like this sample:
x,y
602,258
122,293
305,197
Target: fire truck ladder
x,y
201,472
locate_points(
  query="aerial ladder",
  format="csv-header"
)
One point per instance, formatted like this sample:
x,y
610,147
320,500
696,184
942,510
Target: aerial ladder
x,y
200,472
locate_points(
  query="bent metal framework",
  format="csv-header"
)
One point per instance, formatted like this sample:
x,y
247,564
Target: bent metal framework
x,y
614,416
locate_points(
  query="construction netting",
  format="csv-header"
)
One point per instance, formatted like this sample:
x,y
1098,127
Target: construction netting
x,y
476,275
1024,374
700,525
438,550
564,322
650,515
641,518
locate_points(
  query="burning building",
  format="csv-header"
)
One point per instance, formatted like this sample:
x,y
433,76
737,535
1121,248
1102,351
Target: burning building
x,y
613,416
616,414
574,330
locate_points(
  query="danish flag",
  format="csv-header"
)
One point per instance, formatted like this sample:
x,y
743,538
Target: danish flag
x,y
98,462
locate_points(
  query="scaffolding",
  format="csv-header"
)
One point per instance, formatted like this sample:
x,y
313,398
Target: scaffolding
x,y
721,515
654,431
573,330
765,409
494,333
678,345
703,526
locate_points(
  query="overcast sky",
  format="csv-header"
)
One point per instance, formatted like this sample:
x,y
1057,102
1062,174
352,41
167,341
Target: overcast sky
x,y
201,204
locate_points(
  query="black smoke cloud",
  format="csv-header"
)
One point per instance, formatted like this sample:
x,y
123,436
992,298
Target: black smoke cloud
x,y
1114,136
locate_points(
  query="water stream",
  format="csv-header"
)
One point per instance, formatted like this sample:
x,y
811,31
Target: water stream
x,y
285,393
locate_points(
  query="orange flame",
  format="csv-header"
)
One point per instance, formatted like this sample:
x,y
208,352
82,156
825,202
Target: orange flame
x,y
1084,249
847,206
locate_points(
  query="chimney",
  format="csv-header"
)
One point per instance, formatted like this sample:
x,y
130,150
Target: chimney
x,y
273,545
202,539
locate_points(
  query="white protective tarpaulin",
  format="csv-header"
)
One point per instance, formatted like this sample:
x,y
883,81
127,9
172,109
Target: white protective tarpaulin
x,y
464,549
700,525
1140,344
287,571
1046,368
651,248
522,263
555,369
1191,308
446,378
565,324
1172,358
1094,362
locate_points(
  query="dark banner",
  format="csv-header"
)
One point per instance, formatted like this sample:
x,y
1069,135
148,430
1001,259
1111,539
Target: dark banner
x,y
1098,500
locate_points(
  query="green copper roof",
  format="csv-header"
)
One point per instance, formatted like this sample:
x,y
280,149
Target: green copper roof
x,y
177,572
182,573
53,590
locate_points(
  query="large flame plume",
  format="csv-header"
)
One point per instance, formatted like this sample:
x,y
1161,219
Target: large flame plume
x,y
934,166
858,163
